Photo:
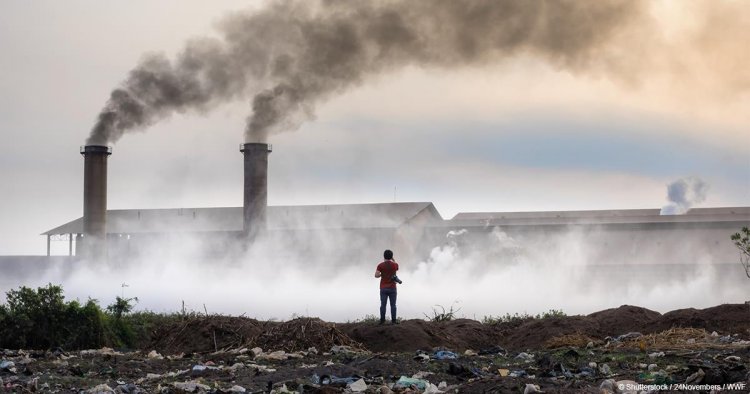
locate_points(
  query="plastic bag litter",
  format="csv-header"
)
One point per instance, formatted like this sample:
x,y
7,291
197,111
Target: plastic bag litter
x,y
409,382
445,355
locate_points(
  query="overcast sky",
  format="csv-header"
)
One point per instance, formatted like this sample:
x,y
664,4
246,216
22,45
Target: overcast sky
x,y
520,135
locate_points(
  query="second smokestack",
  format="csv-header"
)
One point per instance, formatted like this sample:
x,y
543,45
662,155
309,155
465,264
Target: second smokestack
x,y
255,189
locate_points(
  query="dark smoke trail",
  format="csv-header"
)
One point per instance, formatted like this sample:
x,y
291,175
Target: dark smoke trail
x,y
295,54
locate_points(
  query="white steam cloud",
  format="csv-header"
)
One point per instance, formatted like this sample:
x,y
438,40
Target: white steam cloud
x,y
482,272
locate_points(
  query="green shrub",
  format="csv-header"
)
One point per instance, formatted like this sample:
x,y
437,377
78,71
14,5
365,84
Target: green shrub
x,y
41,319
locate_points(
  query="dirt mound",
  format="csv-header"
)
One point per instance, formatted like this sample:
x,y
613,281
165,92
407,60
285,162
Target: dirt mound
x,y
535,333
624,319
200,334
206,334
411,335
302,334
725,319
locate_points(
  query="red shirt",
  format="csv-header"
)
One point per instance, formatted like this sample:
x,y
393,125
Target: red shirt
x,y
387,269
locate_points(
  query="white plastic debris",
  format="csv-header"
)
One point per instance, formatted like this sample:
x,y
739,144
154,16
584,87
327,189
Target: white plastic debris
x,y
656,355
532,388
237,389
605,370
190,386
470,352
100,389
422,374
431,389
358,386
592,365
277,355
525,357
652,367
154,355
608,385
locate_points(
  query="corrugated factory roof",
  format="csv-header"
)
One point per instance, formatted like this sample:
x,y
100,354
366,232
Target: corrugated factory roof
x,y
624,216
299,217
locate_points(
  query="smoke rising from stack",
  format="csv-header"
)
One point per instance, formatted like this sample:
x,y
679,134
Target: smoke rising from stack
x,y
292,55
683,194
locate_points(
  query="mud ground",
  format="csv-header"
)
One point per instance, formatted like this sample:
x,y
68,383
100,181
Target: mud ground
x,y
700,350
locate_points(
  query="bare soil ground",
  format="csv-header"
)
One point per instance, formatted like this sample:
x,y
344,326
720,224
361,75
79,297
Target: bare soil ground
x,y
568,354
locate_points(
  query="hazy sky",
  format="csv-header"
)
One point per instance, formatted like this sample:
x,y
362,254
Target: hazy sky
x,y
514,135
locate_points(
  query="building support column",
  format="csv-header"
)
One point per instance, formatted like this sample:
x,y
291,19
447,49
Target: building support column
x,y
70,244
48,245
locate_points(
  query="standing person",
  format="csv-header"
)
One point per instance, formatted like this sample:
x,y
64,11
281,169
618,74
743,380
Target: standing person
x,y
386,271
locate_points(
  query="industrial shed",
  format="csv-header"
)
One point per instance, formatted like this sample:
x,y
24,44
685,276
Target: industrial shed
x,y
132,232
613,237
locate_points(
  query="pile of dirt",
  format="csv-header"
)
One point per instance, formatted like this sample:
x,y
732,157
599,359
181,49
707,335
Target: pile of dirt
x,y
207,334
416,334
302,334
626,318
727,318
534,334
202,334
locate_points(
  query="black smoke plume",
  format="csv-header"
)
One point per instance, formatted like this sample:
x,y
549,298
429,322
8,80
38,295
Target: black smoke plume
x,y
292,55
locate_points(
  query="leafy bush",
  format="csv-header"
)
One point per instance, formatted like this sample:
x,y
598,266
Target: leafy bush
x,y
41,319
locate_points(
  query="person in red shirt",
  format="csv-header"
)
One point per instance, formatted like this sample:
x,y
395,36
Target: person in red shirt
x,y
386,272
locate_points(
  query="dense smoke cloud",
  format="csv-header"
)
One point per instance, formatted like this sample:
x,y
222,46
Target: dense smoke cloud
x,y
683,194
294,54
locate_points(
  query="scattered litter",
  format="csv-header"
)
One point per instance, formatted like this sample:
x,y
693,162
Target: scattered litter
x,y
405,382
445,355
9,366
695,378
656,355
605,370
277,355
503,372
358,386
532,388
422,357
470,353
525,357
237,389
155,356
422,374
190,386
100,389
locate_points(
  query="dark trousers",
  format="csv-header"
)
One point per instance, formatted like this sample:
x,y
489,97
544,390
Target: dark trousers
x,y
385,295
